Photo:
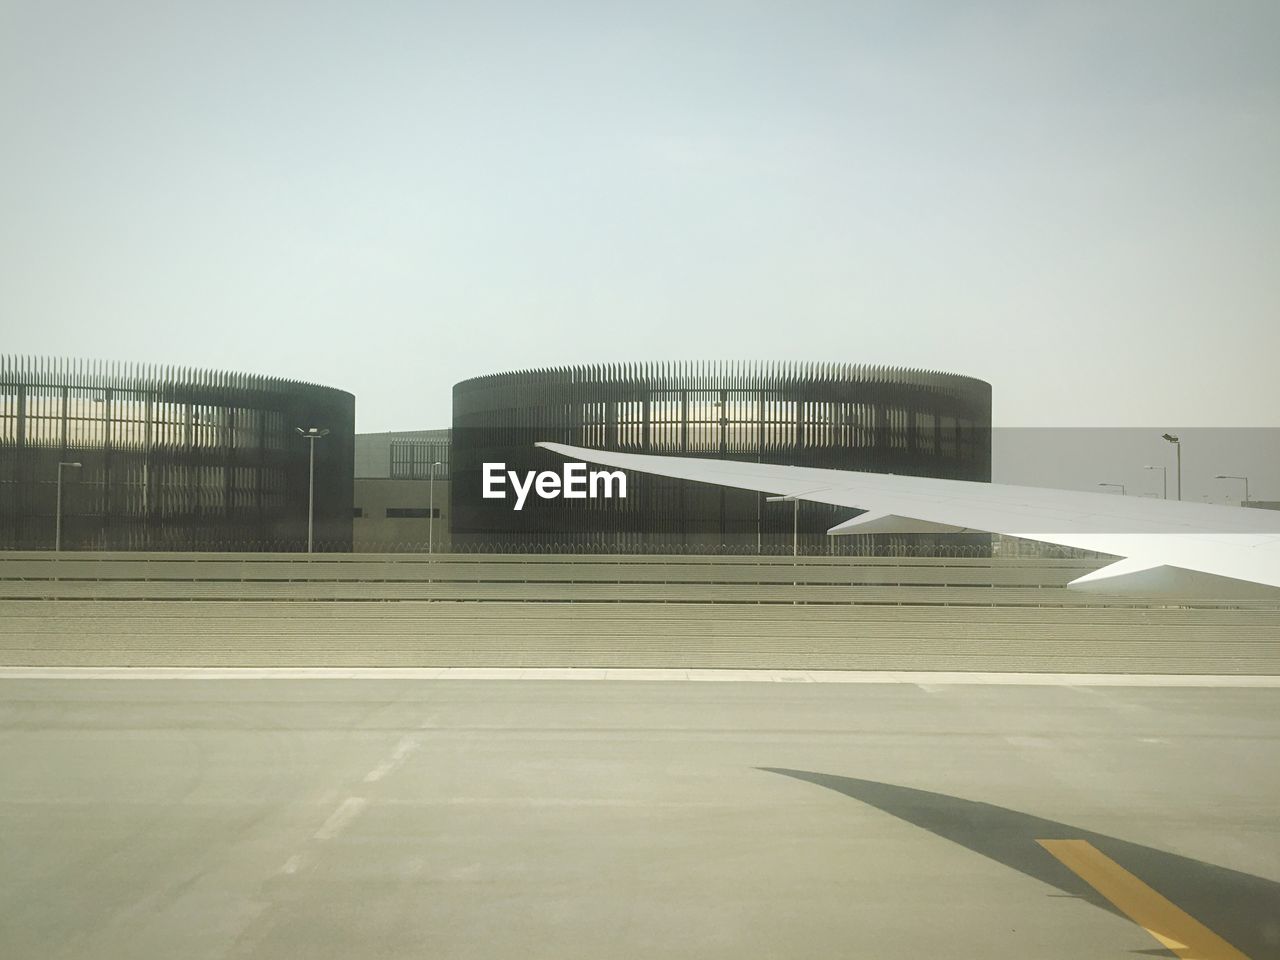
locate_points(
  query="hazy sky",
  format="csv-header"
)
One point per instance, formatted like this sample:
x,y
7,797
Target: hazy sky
x,y
1075,201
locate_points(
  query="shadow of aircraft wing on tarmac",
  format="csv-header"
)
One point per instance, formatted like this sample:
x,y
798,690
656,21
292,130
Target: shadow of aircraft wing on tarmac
x,y
1241,908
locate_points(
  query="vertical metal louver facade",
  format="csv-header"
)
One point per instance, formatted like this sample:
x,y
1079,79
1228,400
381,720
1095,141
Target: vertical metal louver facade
x,y
842,416
172,458
414,458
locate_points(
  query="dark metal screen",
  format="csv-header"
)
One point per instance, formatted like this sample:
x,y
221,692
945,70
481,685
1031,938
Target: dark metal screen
x,y
171,458
842,416
412,458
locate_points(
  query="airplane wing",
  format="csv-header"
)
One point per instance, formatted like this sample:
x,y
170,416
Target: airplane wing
x,y
1164,547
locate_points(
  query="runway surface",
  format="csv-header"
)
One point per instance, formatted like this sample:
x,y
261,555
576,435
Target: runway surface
x,y
410,817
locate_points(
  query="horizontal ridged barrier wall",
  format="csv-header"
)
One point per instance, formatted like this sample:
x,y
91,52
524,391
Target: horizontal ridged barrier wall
x,y
416,568
743,612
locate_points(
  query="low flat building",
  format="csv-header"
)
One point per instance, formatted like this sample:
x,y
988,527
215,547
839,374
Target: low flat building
x,y
400,516
401,498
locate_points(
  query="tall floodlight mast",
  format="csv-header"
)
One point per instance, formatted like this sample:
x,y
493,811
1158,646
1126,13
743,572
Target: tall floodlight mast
x,y
311,434
1172,438
431,510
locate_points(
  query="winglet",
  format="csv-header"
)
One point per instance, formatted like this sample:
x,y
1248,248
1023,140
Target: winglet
x,y
877,522
1147,578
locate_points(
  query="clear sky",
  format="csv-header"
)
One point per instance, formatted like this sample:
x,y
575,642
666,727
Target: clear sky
x,y
1075,201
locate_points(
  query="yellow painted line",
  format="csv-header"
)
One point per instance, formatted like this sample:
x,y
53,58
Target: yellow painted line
x,y
1174,928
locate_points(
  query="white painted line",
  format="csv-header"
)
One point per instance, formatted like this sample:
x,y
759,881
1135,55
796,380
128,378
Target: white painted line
x,y
223,673
919,678
863,676
710,675
482,673
292,864
646,674
565,673
405,747
347,811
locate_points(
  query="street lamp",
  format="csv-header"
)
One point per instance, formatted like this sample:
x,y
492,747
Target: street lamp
x,y
1120,485
431,510
1164,480
1172,438
57,512
312,434
1231,476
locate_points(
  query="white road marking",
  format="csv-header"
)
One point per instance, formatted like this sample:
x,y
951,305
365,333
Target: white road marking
x,y
926,678
292,864
633,673
347,811
405,747
350,808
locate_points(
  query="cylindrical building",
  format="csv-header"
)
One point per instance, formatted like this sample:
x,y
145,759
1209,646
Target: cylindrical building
x,y
843,416
169,458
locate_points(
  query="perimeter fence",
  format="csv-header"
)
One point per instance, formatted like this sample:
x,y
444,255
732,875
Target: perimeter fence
x,y
1002,547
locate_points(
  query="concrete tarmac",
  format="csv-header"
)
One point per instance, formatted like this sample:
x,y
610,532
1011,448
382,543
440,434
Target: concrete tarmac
x,y
408,817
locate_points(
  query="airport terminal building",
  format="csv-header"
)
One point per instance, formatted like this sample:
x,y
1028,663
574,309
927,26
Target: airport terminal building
x,y
204,460
841,416
136,457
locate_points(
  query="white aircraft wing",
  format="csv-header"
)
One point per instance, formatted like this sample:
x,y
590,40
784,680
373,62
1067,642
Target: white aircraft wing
x,y
1165,547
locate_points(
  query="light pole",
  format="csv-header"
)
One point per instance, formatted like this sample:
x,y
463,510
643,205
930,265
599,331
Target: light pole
x,y
1120,485
759,517
1231,476
431,511
312,434
57,511
1172,438
1164,480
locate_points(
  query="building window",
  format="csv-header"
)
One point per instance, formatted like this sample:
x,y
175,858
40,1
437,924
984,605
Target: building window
x,y
412,513
357,512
